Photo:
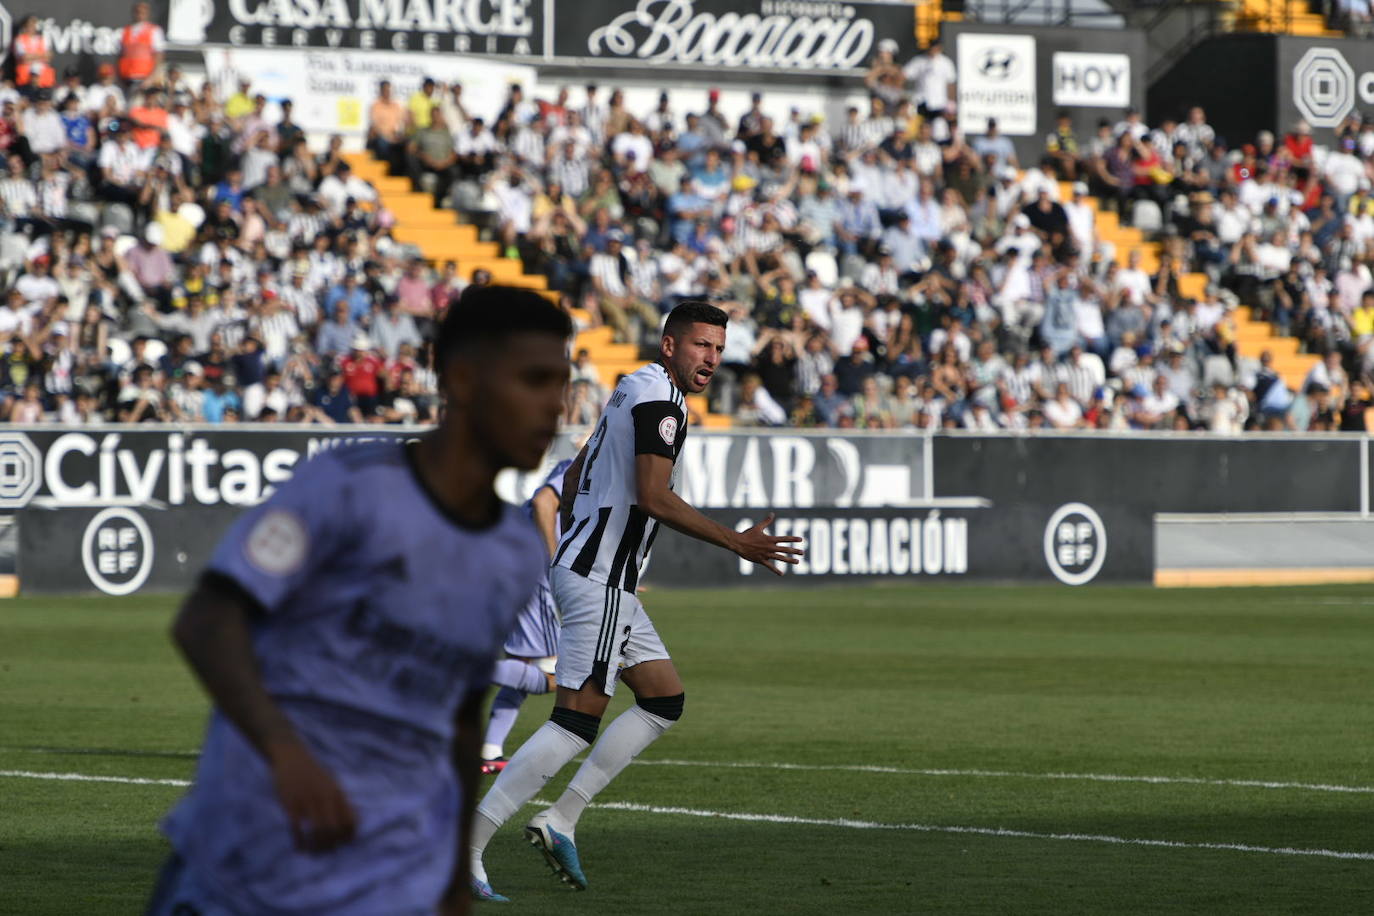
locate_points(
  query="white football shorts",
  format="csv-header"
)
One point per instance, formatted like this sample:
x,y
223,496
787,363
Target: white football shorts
x,y
604,630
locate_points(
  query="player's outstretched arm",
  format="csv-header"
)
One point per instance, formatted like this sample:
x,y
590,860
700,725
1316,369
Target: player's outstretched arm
x,y
467,763
212,632
654,496
546,504
569,495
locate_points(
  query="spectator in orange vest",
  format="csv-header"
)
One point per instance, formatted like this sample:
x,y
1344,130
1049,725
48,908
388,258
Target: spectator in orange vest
x,y
32,60
140,47
148,119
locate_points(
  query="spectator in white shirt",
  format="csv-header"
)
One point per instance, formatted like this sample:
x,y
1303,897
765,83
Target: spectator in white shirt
x,y
1063,412
42,126
104,90
337,187
932,76
755,406
123,168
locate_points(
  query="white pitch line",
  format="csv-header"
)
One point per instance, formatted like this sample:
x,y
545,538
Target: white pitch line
x,y
978,774
845,823
1013,774
83,777
986,831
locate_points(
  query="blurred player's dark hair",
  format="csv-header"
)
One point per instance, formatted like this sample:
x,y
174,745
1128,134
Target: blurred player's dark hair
x,y
691,312
484,316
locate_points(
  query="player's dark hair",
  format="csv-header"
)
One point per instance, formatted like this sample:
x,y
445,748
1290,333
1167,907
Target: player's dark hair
x,y
486,315
691,312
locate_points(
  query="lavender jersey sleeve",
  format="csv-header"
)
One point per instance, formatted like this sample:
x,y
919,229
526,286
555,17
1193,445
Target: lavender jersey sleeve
x,y
276,547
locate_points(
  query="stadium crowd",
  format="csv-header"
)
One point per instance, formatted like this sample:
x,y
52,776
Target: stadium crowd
x,y
174,253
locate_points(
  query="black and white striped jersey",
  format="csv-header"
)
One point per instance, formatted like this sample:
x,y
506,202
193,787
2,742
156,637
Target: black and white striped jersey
x,y
609,538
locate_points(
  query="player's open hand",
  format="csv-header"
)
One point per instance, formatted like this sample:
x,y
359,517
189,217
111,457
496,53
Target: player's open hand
x,y
320,815
758,546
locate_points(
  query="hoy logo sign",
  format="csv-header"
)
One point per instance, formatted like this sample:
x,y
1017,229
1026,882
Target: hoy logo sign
x,y
1092,80
1075,544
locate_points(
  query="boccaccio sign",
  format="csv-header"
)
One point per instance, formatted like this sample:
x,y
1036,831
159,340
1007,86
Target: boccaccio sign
x,y
763,34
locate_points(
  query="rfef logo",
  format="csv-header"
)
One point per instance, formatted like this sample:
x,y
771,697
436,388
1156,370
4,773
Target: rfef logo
x,y
117,551
1075,544
1323,87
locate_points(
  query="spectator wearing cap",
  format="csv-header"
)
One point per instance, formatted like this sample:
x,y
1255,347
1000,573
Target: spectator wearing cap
x,y
186,394
123,168
362,369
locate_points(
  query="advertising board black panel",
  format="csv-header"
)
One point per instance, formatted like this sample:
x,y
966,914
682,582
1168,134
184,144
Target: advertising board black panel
x,y
1185,474
79,33
1234,78
1074,543
812,37
1323,82
514,27
116,550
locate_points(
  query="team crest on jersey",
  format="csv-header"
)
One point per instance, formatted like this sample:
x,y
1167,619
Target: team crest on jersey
x,y
667,428
277,543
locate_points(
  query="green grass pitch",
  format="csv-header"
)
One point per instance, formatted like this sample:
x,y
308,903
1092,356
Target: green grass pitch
x,y
969,696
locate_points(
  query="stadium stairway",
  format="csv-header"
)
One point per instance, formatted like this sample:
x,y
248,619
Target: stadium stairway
x,y
441,237
1254,335
1285,17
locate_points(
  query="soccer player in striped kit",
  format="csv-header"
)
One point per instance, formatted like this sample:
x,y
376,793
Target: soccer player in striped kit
x,y
533,645
619,491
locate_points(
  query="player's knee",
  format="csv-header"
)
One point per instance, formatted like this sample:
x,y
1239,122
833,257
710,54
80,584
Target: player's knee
x,y
581,724
669,708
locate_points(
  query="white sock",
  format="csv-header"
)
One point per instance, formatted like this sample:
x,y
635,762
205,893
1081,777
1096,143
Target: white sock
x,y
631,732
538,760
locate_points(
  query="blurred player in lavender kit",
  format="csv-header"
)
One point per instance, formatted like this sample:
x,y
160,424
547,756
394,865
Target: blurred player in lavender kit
x,y
347,629
618,492
534,643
